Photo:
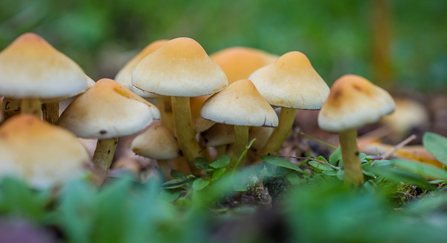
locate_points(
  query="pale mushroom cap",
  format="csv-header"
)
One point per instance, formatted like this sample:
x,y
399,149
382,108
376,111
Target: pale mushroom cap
x,y
90,84
199,123
125,74
108,110
239,104
239,62
352,103
156,143
291,82
179,68
219,134
32,68
41,153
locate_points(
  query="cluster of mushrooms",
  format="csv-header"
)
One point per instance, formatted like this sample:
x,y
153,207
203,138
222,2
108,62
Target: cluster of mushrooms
x,y
221,101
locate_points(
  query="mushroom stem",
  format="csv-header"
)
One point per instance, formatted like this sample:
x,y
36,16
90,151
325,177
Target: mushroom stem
x,y
102,158
165,107
281,132
10,107
240,142
350,156
185,131
31,106
221,150
204,148
181,164
50,112
164,168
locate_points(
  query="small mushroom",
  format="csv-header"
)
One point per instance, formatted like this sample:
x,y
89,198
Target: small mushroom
x,y
352,103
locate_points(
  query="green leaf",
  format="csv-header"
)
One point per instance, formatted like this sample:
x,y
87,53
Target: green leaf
x,y
199,184
278,161
169,195
176,183
425,170
335,157
341,174
293,178
282,171
329,173
319,165
436,145
202,163
178,174
222,161
396,175
218,174
240,188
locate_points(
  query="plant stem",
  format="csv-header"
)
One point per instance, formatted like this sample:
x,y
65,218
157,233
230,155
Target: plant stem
x,y
350,156
185,131
50,112
281,132
103,156
240,142
31,106
318,140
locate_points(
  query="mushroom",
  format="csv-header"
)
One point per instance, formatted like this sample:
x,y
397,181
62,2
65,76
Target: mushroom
x,y
107,111
41,153
290,83
157,143
352,103
32,70
181,69
240,105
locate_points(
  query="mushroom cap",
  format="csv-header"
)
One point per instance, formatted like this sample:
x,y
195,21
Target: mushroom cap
x,y
219,134
32,68
352,103
125,74
262,135
239,62
240,104
90,83
156,143
179,68
39,152
291,82
199,123
108,110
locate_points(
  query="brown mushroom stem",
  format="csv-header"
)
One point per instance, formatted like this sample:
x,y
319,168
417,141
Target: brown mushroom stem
x,y
240,143
221,150
350,155
31,106
103,156
280,134
165,107
165,169
204,149
181,164
185,131
50,112
11,107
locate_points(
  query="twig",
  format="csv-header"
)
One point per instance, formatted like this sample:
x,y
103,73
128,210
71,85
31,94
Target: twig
x,y
398,146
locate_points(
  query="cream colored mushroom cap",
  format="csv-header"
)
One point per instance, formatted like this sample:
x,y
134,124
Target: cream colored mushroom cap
x,y
239,62
108,110
179,68
90,84
291,82
41,153
124,76
32,68
352,103
156,143
239,104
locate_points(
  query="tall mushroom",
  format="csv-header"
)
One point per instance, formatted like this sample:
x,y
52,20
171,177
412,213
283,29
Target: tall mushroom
x,y
32,70
353,103
107,111
180,69
41,153
240,105
290,83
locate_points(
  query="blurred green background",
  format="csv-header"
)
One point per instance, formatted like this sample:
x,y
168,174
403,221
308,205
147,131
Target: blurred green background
x,y
402,41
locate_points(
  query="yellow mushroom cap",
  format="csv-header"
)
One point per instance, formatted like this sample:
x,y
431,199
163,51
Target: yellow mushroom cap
x,y
158,142
32,68
291,82
352,103
239,104
239,62
125,74
108,110
41,153
199,123
179,68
